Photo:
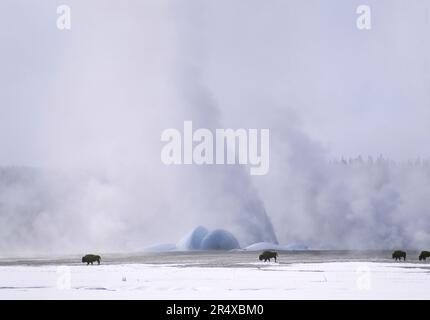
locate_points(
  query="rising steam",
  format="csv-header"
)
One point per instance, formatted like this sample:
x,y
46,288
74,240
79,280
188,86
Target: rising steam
x,y
81,113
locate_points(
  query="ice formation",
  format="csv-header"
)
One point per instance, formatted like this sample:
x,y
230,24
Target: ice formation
x,y
219,240
192,240
202,239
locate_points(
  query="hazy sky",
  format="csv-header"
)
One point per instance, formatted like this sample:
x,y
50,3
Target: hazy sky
x,y
97,97
356,92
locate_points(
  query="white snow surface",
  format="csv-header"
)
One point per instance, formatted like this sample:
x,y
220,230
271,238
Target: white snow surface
x,y
337,280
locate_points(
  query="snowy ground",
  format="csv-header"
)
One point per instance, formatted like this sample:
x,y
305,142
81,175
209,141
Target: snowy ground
x,y
331,280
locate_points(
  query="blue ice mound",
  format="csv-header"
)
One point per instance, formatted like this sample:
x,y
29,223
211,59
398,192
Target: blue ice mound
x,y
201,239
193,240
219,240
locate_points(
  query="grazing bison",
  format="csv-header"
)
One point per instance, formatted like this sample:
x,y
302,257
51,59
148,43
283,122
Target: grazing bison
x,y
267,255
398,255
424,255
91,258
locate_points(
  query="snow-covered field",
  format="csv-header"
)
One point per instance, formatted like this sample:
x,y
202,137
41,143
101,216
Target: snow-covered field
x,y
331,280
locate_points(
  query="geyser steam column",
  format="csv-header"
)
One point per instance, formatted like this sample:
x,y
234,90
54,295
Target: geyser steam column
x,y
179,149
229,201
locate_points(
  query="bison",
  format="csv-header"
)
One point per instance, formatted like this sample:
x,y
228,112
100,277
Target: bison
x,y
398,255
267,255
424,255
91,258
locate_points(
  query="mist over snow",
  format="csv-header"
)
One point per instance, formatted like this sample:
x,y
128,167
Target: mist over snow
x,y
82,111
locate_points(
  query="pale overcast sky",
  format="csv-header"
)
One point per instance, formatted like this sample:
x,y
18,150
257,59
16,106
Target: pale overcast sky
x,y
355,92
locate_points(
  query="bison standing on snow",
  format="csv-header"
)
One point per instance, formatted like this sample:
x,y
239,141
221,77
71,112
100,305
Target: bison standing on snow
x,y
267,255
91,258
424,255
398,255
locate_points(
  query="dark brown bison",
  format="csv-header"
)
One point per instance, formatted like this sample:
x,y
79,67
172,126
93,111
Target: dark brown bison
x,y
91,258
398,255
424,255
267,255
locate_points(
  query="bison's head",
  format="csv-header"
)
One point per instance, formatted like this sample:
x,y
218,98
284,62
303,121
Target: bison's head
x,y
260,257
83,259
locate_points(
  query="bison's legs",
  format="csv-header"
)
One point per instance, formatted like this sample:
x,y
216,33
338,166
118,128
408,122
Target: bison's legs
x,y
98,261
